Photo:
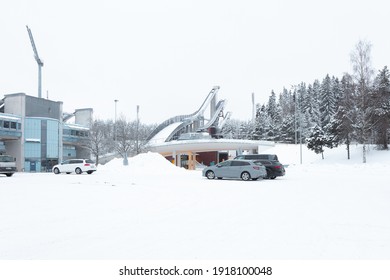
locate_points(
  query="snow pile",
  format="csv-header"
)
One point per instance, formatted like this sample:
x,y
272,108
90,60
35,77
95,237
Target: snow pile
x,y
144,163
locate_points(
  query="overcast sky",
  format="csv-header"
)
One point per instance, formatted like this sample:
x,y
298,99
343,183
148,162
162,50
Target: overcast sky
x,y
165,56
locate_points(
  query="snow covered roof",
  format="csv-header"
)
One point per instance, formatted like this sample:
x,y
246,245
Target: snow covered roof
x,y
204,145
75,126
9,117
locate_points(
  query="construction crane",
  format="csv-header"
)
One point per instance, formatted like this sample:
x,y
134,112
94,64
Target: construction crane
x,y
38,60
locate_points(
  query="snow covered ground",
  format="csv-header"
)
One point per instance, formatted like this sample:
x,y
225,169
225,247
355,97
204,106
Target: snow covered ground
x,y
323,209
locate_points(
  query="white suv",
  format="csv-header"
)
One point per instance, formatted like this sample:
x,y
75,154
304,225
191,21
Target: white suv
x,y
75,165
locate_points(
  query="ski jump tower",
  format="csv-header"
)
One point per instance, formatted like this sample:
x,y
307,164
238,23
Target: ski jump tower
x,y
196,122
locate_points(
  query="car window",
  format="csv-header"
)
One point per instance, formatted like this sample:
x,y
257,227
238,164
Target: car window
x,y
239,157
240,163
89,161
225,163
65,162
258,162
250,157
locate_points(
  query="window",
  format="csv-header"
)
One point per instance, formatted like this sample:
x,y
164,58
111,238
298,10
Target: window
x,y
240,163
13,125
6,159
224,163
6,124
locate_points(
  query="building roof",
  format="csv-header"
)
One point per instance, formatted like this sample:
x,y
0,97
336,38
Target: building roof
x,y
206,145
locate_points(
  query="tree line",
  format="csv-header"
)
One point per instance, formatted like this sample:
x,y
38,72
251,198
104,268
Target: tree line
x,y
124,138
326,113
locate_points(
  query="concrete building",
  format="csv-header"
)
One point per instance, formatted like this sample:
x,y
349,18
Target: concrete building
x,y
35,132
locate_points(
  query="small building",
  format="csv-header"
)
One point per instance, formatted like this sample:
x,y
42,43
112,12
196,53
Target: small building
x,y
188,139
33,131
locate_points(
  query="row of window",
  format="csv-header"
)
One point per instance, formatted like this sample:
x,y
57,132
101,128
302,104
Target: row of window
x,y
78,133
10,125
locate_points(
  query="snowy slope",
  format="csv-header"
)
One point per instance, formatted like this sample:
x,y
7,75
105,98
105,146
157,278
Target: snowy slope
x,y
150,209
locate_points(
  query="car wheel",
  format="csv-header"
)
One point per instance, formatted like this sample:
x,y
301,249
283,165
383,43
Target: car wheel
x,y
78,170
9,174
245,176
210,174
254,179
56,171
89,172
273,177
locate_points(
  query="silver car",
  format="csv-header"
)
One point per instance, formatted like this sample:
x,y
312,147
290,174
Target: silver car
x,y
75,165
244,169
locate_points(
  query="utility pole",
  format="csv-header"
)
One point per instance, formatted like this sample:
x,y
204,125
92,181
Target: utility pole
x,y
253,107
116,101
298,108
300,131
38,60
137,136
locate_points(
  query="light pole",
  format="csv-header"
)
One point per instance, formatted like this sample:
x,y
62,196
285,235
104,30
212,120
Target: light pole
x,y
137,150
116,101
300,130
298,108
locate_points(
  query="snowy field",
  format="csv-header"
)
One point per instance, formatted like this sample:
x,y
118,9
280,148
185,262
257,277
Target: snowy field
x,y
322,209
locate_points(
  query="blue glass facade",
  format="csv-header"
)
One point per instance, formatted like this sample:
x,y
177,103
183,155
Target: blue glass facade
x,y
35,132
41,147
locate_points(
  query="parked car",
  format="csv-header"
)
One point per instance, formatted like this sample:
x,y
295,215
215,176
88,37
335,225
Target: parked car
x,y
7,165
77,166
244,169
258,156
274,168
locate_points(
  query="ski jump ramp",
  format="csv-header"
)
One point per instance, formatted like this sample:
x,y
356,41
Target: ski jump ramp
x,y
166,140
195,122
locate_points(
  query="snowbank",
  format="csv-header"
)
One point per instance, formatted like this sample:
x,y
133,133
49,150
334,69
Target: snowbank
x,y
151,209
145,163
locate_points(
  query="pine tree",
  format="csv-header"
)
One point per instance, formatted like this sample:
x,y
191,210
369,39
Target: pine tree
x,y
327,101
316,140
261,122
273,111
287,133
316,114
381,107
345,116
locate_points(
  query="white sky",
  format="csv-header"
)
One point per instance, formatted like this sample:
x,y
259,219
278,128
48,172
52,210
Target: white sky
x,y
167,55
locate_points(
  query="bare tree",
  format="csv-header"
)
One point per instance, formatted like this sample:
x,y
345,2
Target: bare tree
x,y
98,140
362,73
124,137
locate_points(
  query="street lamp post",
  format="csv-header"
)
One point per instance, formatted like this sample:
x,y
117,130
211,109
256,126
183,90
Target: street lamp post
x,y
116,101
137,136
298,108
